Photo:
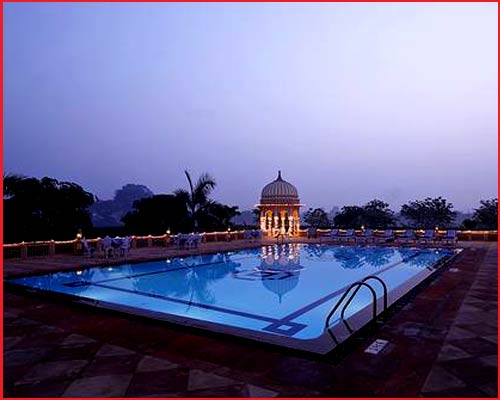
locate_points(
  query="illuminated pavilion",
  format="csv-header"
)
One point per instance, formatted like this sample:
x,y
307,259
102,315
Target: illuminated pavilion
x,y
279,208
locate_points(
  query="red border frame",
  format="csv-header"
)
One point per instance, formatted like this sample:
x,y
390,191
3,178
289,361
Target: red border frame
x,y
156,1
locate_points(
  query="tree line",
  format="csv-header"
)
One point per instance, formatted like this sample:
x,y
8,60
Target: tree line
x,y
45,209
427,214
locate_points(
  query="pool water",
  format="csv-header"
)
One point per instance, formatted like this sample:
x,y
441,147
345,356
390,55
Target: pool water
x,y
279,294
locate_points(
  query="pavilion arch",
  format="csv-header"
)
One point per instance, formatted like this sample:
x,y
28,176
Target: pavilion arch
x,y
279,208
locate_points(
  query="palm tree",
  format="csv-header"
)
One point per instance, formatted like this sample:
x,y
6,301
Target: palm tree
x,y
196,198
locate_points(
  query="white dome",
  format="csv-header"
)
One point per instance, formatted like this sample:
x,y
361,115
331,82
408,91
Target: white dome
x,y
279,191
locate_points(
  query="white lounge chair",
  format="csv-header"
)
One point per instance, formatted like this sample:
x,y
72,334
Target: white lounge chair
x,y
367,236
88,250
388,236
195,240
349,235
428,237
107,246
450,237
125,246
332,235
408,237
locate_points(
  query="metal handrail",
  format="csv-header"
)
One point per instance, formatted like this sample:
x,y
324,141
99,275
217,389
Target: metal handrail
x,y
337,305
384,286
357,285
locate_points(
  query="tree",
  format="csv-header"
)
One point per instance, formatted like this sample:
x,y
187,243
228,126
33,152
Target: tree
x,y
154,215
428,213
44,209
217,216
377,214
486,216
374,214
317,218
196,199
349,217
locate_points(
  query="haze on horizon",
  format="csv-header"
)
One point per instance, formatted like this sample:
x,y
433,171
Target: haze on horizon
x,y
351,101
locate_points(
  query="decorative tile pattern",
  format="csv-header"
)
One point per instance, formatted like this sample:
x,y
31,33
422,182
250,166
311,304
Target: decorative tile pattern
x,y
468,361
442,343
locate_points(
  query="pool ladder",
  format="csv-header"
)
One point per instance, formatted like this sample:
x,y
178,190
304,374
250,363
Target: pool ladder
x,y
356,286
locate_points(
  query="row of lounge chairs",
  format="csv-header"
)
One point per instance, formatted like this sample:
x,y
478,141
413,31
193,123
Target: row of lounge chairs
x,y
409,237
111,247
188,240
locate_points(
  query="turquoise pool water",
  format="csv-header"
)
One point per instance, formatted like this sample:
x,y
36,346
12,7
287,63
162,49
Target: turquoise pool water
x,y
281,291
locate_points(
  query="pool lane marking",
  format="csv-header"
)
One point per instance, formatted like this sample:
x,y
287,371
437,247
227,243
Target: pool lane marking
x,y
156,272
190,303
330,296
274,321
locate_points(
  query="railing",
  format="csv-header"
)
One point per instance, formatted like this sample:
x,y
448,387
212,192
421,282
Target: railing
x,y
44,248
356,286
463,235
48,248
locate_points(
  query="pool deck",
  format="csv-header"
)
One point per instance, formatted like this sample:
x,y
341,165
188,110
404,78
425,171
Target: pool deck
x,y
442,343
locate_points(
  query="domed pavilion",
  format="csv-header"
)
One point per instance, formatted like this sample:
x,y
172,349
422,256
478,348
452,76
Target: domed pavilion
x,y
279,208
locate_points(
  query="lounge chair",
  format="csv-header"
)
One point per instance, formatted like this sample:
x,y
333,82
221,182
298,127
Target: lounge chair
x,y
332,235
367,236
388,236
195,240
88,250
349,235
107,246
428,237
408,237
125,246
182,240
450,237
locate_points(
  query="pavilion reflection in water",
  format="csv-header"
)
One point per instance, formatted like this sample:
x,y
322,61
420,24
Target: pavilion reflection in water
x,y
280,268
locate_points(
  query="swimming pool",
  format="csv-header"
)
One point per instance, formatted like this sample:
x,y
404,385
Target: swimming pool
x,y
280,294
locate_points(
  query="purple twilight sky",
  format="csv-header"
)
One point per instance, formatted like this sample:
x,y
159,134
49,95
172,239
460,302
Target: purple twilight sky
x,y
351,101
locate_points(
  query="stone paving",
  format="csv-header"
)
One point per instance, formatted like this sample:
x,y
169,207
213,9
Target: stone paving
x,y
468,360
442,342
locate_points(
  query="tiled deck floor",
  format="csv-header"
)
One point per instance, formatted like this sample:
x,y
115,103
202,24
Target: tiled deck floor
x,y
442,343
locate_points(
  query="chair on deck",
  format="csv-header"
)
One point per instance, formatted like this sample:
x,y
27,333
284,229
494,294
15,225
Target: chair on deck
x,y
195,240
367,236
349,235
125,246
428,238
388,236
88,250
107,246
450,237
334,235
181,240
408,237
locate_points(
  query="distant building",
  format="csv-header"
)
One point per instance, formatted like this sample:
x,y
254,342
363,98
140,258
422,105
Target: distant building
x,y
279,208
